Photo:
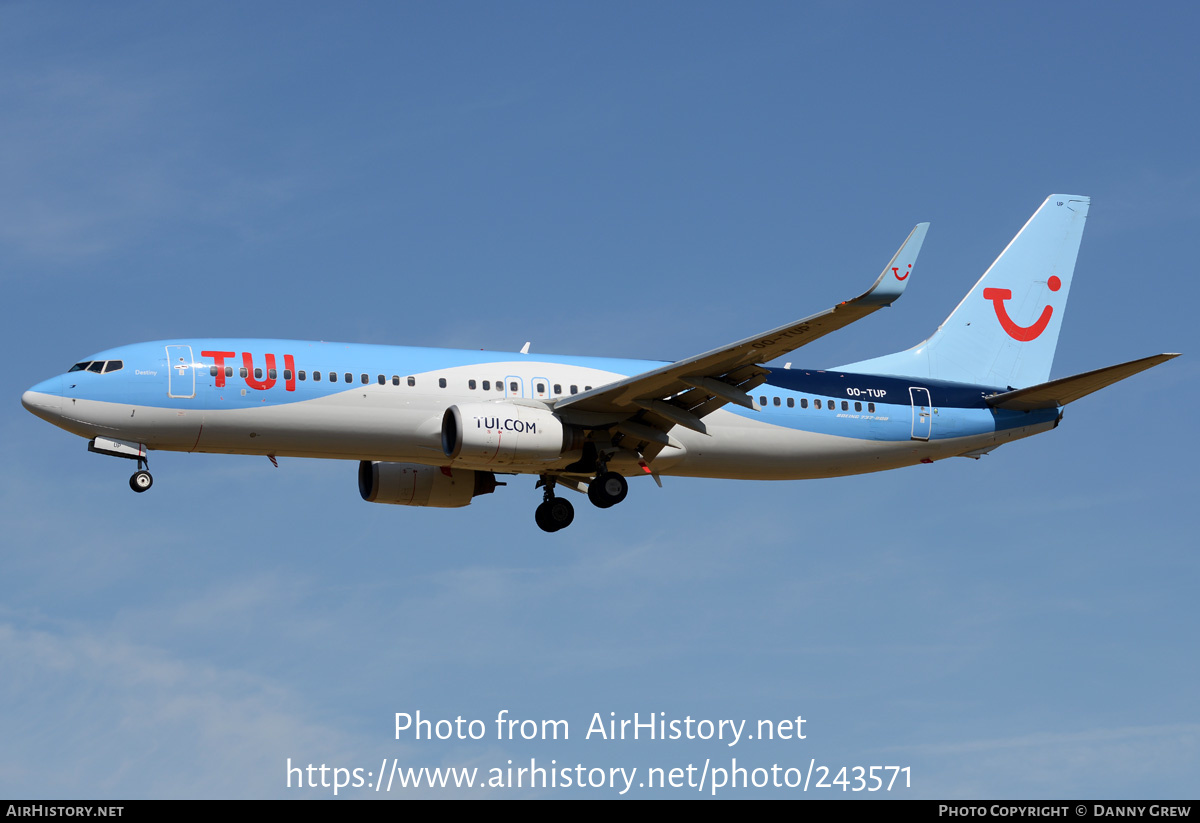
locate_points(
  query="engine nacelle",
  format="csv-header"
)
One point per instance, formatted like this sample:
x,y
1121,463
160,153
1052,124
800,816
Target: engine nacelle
x,y
411,484
502,434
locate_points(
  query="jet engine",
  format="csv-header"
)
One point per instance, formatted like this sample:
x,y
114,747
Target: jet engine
x,y
411,484
502,434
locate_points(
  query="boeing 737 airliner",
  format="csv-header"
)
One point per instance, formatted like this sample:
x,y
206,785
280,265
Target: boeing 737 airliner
x,y
434,427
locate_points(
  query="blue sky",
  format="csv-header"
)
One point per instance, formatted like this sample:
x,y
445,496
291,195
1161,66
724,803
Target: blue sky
x,y
628,180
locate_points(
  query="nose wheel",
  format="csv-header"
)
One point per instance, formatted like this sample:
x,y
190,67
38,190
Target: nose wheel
x,y
141,480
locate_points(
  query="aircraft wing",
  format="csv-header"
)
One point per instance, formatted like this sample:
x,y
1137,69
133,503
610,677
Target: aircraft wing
x,y
1069,389
683,392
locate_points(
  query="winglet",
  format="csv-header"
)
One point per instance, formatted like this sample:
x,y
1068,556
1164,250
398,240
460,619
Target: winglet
x,y
894,278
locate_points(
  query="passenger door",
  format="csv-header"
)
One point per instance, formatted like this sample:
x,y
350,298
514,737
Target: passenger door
x,y
181,372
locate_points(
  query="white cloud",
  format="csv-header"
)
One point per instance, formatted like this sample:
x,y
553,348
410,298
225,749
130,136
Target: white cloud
x,y
94,714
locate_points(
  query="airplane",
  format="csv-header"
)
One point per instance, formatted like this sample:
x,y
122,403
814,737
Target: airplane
x,y
434,427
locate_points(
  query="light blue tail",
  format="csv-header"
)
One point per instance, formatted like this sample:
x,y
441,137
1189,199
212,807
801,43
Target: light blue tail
x,y
1005,330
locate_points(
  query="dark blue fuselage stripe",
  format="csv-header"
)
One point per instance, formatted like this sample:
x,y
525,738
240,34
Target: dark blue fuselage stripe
x,y
874,388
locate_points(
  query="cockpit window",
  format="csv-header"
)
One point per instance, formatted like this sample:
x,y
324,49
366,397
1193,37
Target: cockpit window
x,y
98,366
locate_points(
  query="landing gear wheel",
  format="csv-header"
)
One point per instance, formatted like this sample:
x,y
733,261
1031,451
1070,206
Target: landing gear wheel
x,y
608,489
554,514
141,481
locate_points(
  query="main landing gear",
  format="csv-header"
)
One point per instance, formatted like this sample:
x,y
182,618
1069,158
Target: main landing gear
x,y
554,513
607,490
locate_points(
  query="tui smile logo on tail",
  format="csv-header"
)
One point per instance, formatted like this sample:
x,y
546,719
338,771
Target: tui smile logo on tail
x,y
1016,332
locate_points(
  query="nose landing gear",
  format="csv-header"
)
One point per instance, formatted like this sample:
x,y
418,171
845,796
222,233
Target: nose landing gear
x,y
141,480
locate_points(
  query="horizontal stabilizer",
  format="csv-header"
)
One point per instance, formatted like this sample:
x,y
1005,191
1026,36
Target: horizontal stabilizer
x,y
1068,389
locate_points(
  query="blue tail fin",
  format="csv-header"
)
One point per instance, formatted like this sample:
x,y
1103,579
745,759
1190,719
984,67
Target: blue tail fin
x,y
1005,330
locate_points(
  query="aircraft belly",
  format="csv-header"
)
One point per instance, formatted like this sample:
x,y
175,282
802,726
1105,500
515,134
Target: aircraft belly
x,y
740,448
338,426
771,453
327,427
157,428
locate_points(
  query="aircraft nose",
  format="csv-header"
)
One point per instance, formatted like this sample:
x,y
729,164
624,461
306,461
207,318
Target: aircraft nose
x,y
44,399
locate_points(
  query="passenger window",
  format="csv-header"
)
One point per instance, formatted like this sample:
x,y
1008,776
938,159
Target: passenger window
x,y
574,390
845,405
258,374
212,371
229,371
762,400
791,402
287,374
541,388
242,372
558,388
412,381
441,382
587,388
349,377
471,384
395,380
512,387
302,375
333,377
365,379
487,385
316,377
271,373
857,406
382,380
804,402
776,401
816,404
871,408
